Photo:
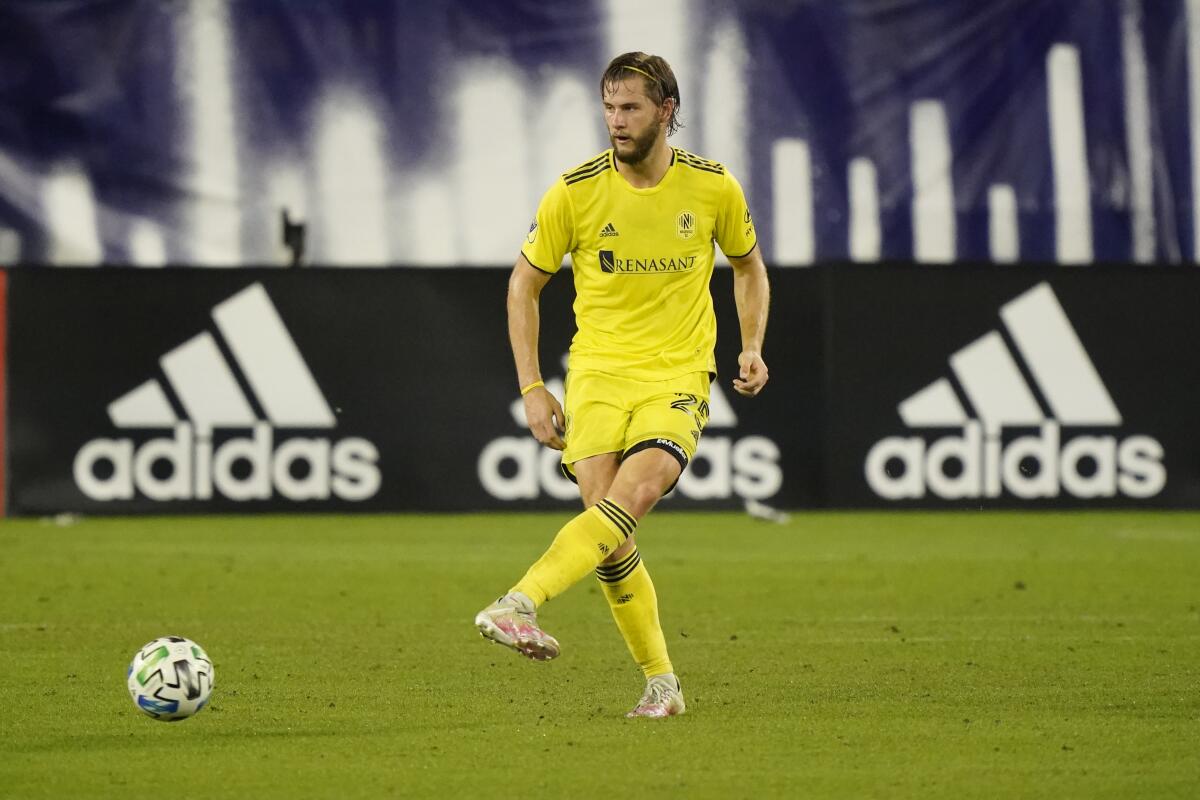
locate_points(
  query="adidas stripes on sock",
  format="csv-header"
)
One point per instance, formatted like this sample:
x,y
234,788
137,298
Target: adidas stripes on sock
x,y
580,545
634,605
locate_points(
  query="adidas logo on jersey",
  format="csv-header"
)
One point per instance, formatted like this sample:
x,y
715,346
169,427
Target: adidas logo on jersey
x,y
194,462
608,230
980,461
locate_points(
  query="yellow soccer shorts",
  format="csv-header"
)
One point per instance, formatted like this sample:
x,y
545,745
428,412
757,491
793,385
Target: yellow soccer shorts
x,y
608,414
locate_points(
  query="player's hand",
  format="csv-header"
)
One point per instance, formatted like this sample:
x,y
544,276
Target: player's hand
x,y
752,374
545,418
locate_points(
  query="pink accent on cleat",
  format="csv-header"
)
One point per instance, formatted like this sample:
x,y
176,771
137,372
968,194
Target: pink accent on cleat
x,y
504,622
663,698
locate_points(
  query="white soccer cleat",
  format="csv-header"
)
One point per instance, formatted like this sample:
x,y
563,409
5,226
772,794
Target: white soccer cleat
x,y
663,698
512,624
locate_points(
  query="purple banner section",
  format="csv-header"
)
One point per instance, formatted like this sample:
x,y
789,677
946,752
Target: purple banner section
x,y
934,131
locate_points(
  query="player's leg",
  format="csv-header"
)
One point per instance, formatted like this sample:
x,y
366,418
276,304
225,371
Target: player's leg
x,y
643,478
578,547
664,431
630,595
627,586
595,475
632,600
595,430
623,577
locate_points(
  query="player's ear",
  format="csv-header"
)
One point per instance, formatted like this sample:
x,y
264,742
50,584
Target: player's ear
x,y
666,109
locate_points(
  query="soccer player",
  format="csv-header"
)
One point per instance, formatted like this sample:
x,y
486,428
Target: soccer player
x,y
639,221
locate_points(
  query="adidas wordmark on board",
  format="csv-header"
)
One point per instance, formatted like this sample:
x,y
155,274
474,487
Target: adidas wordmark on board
x,y
208,392
1085,465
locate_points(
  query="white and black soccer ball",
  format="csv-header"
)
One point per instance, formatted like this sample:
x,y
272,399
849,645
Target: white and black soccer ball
x,y
171,678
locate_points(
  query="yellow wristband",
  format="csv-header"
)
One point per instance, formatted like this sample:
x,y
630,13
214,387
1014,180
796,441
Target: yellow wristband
x,y
531,387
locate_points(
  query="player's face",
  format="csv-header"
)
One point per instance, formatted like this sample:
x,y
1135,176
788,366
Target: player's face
x,y
634,121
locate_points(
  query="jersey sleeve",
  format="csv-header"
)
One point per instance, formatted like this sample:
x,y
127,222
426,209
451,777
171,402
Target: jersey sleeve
x,y
735,232
552,234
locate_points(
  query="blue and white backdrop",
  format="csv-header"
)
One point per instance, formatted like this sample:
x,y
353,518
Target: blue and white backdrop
x,y
150,133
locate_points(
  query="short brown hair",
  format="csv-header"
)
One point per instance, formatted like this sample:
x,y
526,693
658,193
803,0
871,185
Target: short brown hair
x,y
657,75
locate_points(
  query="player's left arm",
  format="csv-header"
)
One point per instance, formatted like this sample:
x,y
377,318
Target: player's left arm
x,y
752,294
734,232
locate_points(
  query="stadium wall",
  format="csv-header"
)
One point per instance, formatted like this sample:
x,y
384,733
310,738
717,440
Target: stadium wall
x,y
892,385
3,393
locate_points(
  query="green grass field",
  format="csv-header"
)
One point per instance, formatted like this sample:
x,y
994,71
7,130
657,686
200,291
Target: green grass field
x,y
839,655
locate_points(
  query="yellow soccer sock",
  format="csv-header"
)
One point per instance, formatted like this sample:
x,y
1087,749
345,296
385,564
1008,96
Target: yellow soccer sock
x,y
634,605
580,545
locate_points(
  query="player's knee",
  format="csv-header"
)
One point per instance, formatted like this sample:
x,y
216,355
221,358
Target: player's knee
x,y
643,479
645,494
619,554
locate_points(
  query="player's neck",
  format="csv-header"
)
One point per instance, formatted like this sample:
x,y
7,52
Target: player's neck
x,y
647,173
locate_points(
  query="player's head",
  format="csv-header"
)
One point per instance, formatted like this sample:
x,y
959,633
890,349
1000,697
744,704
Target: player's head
x,y
641,98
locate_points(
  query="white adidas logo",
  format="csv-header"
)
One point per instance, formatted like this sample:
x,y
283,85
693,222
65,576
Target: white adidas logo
x,y
981,463
186,466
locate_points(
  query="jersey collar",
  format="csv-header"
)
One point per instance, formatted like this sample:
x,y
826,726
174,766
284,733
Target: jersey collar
x,y
658,187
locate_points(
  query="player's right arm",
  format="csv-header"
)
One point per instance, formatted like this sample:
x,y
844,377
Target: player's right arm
x,y
543,413
550,237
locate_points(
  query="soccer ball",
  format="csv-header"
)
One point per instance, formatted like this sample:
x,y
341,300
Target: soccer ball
x,y
170,678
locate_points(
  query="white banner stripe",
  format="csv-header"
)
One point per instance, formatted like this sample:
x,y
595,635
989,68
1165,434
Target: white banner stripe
x,y
993,383
1193,71
271,362
1068,151
206,77
1137,132
1055,356
206,386
69,208
933,215
792,199
1004,232
865,235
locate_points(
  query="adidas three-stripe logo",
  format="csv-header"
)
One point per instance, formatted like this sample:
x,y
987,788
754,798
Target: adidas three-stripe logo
x,y
207,389
992,381
194,463
609,230
615,573
624,523
1063,389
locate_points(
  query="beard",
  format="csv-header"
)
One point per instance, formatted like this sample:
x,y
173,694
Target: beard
x,y
642,145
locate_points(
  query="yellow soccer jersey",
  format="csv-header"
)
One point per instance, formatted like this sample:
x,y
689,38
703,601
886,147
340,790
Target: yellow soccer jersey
x,y
642,260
